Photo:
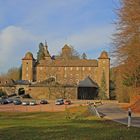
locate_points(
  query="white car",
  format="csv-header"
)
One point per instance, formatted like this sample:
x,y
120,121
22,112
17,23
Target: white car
x,y
33,103
25,103
59,102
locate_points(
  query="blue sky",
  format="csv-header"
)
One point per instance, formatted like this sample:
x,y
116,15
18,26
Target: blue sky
x,y
85,24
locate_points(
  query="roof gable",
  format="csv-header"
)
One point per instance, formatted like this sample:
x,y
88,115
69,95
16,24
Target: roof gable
x,y
88,82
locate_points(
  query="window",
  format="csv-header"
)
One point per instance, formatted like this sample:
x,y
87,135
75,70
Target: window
x,y
27,63
65,75
65,68
27,75
83,68
77,68
71,68
89,68
27,68
77,75
41,68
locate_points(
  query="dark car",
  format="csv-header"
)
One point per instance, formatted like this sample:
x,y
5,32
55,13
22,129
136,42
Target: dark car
x,y
9,100
43,101
59,102
17,102
3,101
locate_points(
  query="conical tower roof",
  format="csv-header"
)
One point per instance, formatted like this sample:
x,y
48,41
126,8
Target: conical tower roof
x,y
104,55
29,56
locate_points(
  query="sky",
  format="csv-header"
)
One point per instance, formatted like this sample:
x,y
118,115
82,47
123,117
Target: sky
x,y
87,25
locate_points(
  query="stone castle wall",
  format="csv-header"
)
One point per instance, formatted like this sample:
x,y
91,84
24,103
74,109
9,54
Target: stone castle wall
x,y
65,70
53,92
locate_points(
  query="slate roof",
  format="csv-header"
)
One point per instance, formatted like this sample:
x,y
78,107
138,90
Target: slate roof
x,y
69,63
87,82
22,82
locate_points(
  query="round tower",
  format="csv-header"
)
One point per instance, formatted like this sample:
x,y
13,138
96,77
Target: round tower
x,y
103,71
28,67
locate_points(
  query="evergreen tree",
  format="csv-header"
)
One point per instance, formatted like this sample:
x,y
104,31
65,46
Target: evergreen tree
x,y
103,89
84,56
40,53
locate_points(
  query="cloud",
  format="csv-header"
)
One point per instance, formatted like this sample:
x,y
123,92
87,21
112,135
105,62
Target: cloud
x,y
14,41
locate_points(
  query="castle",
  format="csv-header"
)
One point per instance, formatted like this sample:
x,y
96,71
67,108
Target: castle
x,y
65,68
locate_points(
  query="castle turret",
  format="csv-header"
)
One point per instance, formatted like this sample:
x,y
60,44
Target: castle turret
x,y
103,72
47,55
28,67
66,52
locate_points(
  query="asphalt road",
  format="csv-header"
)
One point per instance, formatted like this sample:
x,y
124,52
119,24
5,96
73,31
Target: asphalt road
x,y
114,112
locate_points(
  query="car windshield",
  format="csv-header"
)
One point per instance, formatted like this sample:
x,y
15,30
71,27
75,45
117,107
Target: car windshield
x,y
59,99
33,101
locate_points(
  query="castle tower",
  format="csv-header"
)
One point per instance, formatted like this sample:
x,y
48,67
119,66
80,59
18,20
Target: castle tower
x,y
46,52
28,67
66,52
103,71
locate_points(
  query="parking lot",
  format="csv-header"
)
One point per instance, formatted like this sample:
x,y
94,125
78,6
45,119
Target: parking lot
x,y
50,107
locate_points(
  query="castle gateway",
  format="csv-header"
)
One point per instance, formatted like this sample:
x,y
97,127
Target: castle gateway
x,y
68,70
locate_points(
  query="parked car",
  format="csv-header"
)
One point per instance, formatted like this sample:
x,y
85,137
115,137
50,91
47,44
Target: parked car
x,y
59,102
17,102
43,101
4,97
67,102
33,103
9,100
25,103
3,101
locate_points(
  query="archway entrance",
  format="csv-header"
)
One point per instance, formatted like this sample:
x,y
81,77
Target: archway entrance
x,y
87,93
21,91
87,89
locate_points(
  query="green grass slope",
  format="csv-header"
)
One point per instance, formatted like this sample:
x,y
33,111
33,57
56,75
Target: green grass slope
x,y
75,124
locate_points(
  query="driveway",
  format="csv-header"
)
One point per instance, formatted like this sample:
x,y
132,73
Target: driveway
x,y
114,112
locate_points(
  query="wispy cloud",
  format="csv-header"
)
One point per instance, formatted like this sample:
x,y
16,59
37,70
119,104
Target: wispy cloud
x,y
90,39
14,42
84,24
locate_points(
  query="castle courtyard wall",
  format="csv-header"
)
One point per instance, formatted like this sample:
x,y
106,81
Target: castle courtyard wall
x,y
53,92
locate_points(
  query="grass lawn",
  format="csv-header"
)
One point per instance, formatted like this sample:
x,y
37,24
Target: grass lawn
x,y
74,124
